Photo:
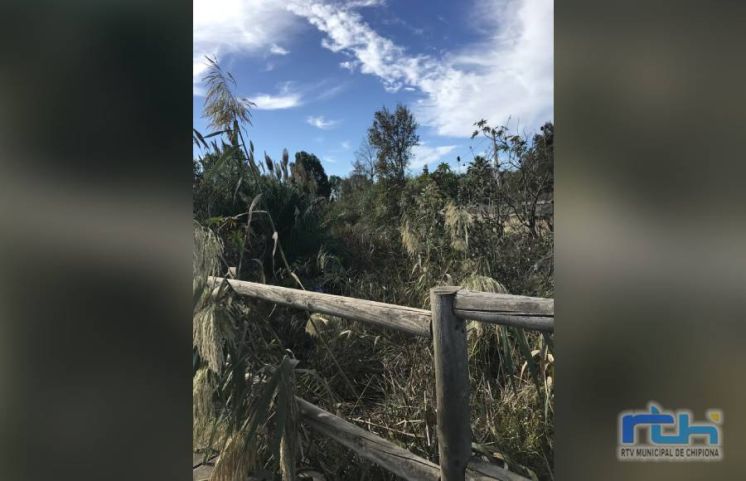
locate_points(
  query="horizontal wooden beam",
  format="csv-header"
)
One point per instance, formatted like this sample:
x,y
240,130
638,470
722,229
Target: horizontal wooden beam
x,y
373,448
545,324
504,303
506,309
386,453
405,319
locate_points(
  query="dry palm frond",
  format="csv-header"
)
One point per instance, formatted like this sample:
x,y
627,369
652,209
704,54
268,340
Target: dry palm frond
x,y
482,336
237,458
410,239
479,283
222,107
458,220
212,328
212,325
202,391
203,407
205,258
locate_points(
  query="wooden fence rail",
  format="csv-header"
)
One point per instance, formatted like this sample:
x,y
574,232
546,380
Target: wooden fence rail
x,y
406,319
444,324
387,454
509,310
506,309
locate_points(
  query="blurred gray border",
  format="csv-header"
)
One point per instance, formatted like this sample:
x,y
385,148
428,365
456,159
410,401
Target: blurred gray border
x,y
651,227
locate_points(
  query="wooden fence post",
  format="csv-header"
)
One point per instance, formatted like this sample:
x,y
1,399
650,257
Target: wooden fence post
x,y
451,385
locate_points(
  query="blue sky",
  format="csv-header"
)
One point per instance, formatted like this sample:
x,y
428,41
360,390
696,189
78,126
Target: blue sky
x,y
319,69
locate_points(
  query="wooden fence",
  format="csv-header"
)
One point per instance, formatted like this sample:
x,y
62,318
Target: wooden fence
x,y
445,325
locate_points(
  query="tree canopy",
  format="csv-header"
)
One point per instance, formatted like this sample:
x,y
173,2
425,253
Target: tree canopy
x,y
311,166
393,134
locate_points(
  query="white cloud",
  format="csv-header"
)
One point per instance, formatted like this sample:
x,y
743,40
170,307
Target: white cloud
x,y
346,145
275,49
347,32
426,155
321,123
236,26
509,75
286,97
198,70
350,65
276,102
244,26
364,3
324,92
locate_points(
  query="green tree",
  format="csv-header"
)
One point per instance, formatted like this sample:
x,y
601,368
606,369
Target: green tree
x,y
393,135
500,141
308,167
529,186
446,180
478,185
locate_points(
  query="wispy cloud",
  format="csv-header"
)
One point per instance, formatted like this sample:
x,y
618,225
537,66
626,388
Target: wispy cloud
x,y
236,26
287,97
427,155
350,65
321,123
276,102
365,3
290,94
323,90
275,49
347,32
507,75
346,145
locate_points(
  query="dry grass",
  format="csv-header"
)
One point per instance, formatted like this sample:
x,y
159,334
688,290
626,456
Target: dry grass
x,y
458,220
380,380
393,376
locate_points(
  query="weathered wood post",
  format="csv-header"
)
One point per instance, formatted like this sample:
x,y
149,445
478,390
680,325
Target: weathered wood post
x,y
451,385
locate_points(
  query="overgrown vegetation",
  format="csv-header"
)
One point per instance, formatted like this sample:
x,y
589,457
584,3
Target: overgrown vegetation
x,y
377,234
